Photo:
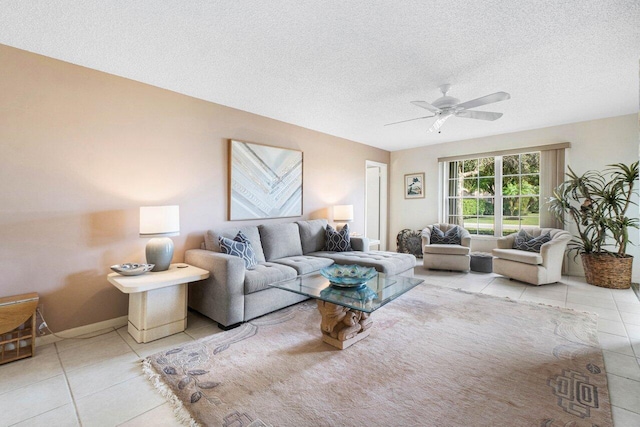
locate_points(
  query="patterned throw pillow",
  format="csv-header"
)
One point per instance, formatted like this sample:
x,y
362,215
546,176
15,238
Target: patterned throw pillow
x,y
241,247
526,242
452,236
337,241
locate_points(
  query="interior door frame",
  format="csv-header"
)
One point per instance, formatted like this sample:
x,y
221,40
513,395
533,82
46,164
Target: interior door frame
x,y
384,200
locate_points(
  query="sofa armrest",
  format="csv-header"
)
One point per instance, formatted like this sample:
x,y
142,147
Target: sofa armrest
x,y
552,252
221,296
506,242
360,244
465,238
426,237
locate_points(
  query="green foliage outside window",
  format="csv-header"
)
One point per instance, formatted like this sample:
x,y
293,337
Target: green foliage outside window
x,y
472,189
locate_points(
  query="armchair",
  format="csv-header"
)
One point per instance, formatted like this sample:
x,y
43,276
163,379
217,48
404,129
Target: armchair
x,y
438,256
532,267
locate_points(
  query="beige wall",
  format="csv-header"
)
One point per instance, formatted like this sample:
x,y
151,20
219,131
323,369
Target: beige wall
x,y
81,151
594,144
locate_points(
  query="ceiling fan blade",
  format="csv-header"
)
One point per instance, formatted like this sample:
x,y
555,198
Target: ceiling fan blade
x,y
482,115
484,100
438,123
426,106
403,121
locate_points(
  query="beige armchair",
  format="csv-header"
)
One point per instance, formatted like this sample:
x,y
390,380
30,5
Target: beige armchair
x,y
532,267
446,256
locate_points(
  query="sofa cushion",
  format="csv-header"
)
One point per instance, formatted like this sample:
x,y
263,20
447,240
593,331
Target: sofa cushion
x,y
526,242
305,264
312,234
264,274
533,258
280,240
251,231
439,249
337,241
240,246
389,263
450,237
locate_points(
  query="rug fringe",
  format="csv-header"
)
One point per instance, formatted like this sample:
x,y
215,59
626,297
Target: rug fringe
x,y
181,413
519,301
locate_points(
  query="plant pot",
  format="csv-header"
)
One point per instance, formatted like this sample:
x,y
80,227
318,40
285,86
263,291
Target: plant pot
x,y
607,271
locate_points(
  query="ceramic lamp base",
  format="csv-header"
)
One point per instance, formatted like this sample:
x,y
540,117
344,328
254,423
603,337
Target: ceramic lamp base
x,y
159,251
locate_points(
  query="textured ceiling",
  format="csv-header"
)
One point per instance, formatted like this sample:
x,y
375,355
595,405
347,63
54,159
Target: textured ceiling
x,y
346,68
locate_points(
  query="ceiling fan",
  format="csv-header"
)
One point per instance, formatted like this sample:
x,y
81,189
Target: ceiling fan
x,y
448,106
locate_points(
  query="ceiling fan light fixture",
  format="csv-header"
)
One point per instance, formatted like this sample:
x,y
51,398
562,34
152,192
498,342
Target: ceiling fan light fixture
x,y
445,102
447,106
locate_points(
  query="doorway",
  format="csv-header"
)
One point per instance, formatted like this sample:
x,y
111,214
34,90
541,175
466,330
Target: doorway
x,y
375,222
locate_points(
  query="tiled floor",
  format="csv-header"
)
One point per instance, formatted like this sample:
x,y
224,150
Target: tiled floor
x,y
99,381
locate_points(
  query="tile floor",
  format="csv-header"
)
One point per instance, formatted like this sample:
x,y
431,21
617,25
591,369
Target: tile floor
x,y
99,381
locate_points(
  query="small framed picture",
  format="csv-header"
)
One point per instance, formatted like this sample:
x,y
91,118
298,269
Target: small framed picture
x,y
414,185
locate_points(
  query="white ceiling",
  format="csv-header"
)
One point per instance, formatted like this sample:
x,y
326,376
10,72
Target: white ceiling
x,y
346,68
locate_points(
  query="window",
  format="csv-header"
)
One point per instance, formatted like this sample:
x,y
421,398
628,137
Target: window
x,y
494,195
520,192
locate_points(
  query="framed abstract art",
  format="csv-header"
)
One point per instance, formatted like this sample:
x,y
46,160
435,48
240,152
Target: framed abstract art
x,y
264,181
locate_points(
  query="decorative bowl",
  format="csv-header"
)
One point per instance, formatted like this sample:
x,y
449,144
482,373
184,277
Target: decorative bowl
x,y
357,294
130,269
348,276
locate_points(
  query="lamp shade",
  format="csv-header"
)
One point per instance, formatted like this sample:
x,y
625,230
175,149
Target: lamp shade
x,y
343,213
159,221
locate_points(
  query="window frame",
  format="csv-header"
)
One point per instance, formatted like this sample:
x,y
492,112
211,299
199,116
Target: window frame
x,y
498,196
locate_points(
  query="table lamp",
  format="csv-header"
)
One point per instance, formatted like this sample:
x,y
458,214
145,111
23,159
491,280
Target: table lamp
x,y
342,214
159,222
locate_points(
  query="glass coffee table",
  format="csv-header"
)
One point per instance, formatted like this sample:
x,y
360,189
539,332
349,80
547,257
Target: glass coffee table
x,y
346,311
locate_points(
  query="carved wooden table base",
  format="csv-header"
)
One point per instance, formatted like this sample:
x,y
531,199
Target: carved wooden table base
x,y
342,326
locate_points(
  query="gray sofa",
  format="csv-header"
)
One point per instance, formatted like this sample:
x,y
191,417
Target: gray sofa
x,y
232,294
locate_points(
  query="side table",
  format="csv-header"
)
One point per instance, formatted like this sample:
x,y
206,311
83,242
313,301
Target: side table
x,y
18,326
157,300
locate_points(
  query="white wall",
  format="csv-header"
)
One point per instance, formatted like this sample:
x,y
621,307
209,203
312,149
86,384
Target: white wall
x,y
594,144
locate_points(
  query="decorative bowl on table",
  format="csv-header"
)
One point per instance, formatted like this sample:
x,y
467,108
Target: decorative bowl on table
x,y
358,294
132,269
348,276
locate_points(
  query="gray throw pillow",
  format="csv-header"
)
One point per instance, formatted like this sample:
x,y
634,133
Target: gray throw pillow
x,y
526,242
337,241
452,236
241,247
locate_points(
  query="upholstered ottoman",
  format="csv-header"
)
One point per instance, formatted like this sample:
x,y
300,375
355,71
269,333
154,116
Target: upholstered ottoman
x,y
481,262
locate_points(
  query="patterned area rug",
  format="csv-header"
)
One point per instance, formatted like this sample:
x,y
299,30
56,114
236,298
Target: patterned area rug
x,y
435,357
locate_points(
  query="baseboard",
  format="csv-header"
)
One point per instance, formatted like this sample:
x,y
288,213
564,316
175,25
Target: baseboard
x,y
82,330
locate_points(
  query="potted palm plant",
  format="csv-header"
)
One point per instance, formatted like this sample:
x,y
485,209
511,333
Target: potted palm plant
x,y
597,203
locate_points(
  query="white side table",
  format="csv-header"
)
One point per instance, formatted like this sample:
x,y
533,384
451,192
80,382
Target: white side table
x,y
157,300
